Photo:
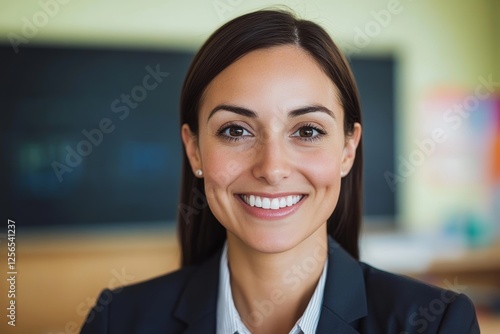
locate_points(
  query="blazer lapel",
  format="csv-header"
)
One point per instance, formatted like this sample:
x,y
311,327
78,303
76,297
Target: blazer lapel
x,y
198,302
330,322
344,298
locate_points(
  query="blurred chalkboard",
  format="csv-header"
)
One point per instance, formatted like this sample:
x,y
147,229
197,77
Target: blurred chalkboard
x,y
375,79
91,136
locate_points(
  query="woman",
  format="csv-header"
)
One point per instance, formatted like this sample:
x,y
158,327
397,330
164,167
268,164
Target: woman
x,y
271,202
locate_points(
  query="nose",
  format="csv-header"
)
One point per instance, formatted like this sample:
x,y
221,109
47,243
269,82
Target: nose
x,y
271,162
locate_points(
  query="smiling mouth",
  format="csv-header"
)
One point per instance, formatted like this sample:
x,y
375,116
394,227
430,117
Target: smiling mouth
x,y
271,203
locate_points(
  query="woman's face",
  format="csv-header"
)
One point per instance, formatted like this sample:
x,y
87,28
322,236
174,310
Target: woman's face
x,y
272,148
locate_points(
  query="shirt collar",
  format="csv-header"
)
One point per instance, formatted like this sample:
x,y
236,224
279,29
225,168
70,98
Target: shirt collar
x,y
229,320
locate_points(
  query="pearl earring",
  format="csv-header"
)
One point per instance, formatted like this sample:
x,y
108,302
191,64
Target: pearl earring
x,y
199,172
342,173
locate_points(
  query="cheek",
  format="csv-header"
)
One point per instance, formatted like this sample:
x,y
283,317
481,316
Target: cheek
x,y
323,168
221,168
326,181
323,173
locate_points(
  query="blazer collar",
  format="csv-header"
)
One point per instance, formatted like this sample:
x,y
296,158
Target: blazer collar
x,y
198,302
344,298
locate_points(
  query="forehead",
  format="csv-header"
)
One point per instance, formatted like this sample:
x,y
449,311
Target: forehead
x,y
279,77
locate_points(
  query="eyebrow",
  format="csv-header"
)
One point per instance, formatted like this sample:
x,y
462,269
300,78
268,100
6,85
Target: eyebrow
x,y
235,109
252,114
309,109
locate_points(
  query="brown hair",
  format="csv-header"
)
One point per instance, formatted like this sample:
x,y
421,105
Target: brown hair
x,y
200,233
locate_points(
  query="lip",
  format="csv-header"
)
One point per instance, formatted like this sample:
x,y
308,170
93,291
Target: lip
x,y
269,214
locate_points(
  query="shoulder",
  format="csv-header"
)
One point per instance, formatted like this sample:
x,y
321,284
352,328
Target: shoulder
x,y
143,307
396,301
162,289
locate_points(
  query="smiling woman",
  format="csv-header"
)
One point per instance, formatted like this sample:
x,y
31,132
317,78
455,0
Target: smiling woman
x,y
271,126
276,113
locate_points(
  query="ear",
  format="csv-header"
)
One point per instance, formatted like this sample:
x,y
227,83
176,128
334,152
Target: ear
x,y
192,149
350,146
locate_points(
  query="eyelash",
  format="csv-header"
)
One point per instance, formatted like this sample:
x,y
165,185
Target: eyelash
x,y
321,132
221,133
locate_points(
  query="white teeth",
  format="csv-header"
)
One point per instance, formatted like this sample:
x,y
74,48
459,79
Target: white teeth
x,y
275,204
271,203
252,200
266,203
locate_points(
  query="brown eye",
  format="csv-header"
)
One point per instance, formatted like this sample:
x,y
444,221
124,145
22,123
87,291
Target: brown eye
x,y
236,131
309,133
306,132
233,132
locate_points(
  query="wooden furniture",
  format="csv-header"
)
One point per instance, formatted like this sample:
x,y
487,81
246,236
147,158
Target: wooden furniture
x,y
476,273
61,274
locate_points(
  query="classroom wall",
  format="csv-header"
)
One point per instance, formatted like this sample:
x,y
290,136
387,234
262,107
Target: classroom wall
x,y
439,44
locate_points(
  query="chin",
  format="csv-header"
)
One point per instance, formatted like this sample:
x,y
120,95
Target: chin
x,y
271,243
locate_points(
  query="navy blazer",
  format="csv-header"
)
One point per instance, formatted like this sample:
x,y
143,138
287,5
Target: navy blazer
x,y
357,299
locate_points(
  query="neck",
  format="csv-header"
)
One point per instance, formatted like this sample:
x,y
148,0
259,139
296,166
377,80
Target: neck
x,y
272,291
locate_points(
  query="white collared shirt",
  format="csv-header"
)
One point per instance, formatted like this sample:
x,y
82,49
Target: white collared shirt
x,y
228,318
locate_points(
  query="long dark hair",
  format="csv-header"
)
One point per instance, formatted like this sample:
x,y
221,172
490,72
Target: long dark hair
x,y
200,233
